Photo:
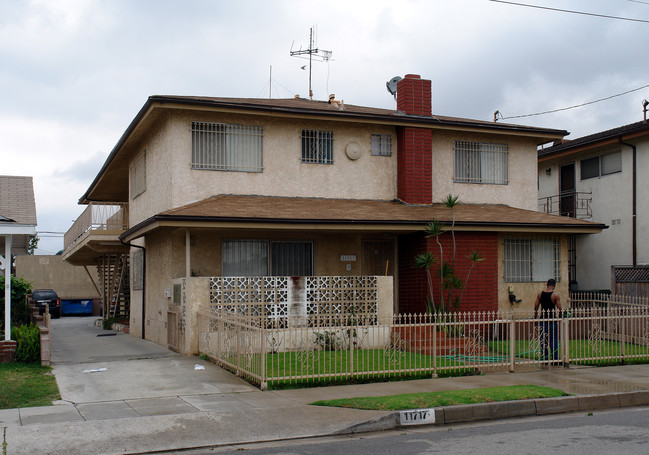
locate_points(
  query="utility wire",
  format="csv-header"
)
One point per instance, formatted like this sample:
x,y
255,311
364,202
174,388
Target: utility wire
x,y
577,105
571,11
638,1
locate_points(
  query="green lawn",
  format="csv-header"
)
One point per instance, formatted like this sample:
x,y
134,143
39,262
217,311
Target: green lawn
x,y
448,398
580,349
24,385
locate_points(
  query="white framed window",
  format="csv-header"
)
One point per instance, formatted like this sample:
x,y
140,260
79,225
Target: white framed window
x,y
477,162
317,146
137,176
382,144
600,165
530,260
267,258
227,147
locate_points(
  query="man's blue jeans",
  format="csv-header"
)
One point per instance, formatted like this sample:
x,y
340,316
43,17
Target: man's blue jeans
x,y
550,340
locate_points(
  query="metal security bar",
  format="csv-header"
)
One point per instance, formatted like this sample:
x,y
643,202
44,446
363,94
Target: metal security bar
x,y
381,144
227,147
317,146
535,259
407,346
477,162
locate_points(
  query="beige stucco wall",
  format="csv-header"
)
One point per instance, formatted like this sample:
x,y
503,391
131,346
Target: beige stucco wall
x,y
51,272
521,190
527,292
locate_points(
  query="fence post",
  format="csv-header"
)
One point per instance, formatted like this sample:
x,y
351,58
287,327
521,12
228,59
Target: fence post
x,y
219,334
565,342
623,319
262,374
434,324
238,348
512,342
351,353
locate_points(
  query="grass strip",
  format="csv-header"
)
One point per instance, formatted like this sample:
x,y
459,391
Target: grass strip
x,y
24,385
447,398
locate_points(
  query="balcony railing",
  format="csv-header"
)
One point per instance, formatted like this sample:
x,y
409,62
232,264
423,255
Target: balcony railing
x,y
97,216
569,203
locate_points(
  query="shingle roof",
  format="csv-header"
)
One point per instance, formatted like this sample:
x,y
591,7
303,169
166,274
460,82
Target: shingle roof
x,y
632,129
267,209
17,200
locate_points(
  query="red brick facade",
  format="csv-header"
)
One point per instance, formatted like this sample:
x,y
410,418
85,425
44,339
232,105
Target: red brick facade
x,y
415,145
7,351
481,291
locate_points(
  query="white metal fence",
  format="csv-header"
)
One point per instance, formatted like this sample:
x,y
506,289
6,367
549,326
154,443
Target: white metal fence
x,y
268,353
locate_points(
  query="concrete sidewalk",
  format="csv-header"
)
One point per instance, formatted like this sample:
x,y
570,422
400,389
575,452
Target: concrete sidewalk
x,y
149,400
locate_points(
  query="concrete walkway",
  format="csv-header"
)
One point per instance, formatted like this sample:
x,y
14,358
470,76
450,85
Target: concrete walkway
x,y
121,394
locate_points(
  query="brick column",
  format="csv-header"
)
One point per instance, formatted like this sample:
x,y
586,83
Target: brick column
x,y
8,351
415,145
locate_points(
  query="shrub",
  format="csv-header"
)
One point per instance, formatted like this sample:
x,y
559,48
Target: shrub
x,y
107,324
28,339
19,312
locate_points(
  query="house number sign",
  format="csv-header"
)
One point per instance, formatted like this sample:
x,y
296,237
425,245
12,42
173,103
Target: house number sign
x,y
347,258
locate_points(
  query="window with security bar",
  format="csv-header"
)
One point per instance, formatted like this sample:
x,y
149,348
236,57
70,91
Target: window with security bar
x,y
267,258
478,162
317,146
381,145
529,260
227,147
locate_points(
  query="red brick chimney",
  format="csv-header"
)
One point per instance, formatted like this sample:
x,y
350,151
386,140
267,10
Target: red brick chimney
x,y
415,145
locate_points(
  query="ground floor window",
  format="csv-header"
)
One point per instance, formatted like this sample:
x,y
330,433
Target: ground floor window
x,y
528,260
267,258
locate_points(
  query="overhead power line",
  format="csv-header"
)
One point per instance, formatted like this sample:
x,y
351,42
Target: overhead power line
x,y
572,11
572,107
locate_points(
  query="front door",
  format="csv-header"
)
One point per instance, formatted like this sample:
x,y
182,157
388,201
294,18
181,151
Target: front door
x,y
567,196
378,257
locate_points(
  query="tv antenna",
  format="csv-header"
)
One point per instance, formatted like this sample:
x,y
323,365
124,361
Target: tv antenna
x,y
312,52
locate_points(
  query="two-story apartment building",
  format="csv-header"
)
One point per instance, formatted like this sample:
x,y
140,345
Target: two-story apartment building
x,y
600,177
222,187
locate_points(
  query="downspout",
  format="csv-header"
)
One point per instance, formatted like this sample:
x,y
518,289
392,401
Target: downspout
x,y
143,283
634,201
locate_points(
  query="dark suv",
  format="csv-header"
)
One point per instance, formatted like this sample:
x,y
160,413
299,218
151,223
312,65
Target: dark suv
x,y
42,297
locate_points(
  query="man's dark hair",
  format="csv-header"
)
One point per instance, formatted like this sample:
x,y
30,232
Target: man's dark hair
x,y
552,282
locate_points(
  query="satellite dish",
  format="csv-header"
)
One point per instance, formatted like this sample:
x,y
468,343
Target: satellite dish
x,y
392,85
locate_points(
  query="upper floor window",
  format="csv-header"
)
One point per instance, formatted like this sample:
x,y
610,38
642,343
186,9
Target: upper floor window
x,y
477,162
382,144
601,165
227,147
528,260
317,146
137,176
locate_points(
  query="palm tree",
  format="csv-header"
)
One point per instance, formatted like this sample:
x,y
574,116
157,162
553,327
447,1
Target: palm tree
x,y
474,257
435,229
450,202
426,261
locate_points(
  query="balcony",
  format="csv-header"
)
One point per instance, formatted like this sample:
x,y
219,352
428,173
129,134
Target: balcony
x,y
569,203
96,232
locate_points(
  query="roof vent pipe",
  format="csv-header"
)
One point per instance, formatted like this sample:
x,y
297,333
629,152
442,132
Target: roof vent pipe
x,y
645,103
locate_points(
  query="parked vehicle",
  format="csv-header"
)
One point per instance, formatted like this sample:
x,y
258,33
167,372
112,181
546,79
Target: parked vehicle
x,y
42,297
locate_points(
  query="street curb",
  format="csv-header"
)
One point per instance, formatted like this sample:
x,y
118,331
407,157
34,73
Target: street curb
x,y
445,415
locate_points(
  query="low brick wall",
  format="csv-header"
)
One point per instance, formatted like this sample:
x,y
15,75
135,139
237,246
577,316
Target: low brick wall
x,y
8,351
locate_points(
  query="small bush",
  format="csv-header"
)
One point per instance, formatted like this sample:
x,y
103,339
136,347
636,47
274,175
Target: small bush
x,y
107,324
19,312
28,339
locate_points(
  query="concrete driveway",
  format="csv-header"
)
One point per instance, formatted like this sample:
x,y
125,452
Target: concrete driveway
x,y
95,365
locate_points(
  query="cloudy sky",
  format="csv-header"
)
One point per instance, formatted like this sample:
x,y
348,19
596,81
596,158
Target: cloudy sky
x,y
73,73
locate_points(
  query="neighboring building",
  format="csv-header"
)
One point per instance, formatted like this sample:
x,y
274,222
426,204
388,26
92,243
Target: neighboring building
x,y
601,177
222,187
71,284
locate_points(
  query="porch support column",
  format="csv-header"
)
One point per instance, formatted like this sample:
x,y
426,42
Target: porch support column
x,y
188,254
6,264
